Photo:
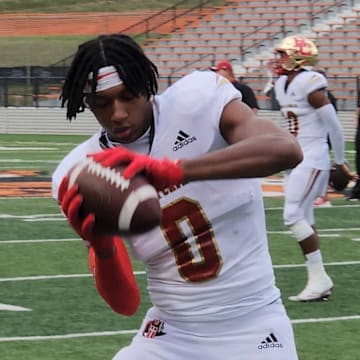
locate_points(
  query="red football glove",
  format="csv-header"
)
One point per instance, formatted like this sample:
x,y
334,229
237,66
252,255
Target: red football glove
x,y
108,258
160,173
71,202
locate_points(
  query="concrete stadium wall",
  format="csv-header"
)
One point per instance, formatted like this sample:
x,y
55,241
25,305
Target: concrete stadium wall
x,y
25,120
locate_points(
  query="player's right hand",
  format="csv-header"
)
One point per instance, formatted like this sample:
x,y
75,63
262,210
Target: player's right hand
x,y
345,168
70,202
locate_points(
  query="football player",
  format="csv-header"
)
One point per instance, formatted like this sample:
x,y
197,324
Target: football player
x,y
209,271
310,117
225,69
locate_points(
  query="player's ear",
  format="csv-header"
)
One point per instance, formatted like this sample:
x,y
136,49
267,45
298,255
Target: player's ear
x,y
86,101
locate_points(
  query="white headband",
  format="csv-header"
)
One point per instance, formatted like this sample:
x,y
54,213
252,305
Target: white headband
x,y
107,78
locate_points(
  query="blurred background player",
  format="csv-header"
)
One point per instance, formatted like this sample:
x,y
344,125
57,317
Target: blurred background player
x,y
355,190
269,86
302,95
225,69
209,271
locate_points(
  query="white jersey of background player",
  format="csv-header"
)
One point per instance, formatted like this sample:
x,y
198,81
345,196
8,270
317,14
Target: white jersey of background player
x,y
213,229
301,118
310,117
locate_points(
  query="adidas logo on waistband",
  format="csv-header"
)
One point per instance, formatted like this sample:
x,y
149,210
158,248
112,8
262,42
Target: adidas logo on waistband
x,y
270,342
182,140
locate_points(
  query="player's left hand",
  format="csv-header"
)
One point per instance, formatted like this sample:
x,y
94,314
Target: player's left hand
x,y
160,173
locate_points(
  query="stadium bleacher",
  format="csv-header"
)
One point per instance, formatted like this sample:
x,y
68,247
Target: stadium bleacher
x,y
241,31
245,32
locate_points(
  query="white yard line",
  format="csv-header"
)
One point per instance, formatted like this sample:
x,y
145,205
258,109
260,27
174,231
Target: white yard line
x,y
59,216
134,331
46,277
45,219
41,143
141,273
13,148
29,161
16,167
37,241
352,205
30,217
24,197
287,232
329,319
67,336
7,307
335,263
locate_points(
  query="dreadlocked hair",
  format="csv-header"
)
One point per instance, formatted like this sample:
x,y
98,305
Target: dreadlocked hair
x,y
135,69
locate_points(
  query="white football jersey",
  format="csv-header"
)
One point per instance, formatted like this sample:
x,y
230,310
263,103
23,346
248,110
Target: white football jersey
x,y
209,259
301,118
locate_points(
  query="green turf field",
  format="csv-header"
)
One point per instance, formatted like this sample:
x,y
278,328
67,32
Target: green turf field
x,y
46,50
43,268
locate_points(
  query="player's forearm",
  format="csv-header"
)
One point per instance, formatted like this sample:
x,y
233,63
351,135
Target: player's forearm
x,y
245,159
115,280
328,115
338,146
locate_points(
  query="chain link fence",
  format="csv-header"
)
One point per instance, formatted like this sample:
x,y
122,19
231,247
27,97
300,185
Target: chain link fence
x,y
41,87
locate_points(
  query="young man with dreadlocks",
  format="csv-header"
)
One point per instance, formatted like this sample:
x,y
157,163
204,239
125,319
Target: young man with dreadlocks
x,y
209,271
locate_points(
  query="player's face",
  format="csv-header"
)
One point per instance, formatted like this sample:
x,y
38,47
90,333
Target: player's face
x,y
280,58
124,116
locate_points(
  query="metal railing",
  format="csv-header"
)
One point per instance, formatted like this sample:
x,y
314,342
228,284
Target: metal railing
x,y
167,19
44,92
281,33
36,86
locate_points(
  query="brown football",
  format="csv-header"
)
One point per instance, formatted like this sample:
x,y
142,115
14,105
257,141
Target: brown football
x,y
338,179
120,205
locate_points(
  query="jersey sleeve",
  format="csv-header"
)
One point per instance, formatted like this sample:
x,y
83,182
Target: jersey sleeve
x,y
225,91
200,96
314,81
115,280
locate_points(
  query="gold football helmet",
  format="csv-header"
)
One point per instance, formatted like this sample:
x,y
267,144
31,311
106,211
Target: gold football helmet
x,y
293,54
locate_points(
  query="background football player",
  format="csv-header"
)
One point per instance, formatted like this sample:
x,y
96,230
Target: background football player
x,y
310,117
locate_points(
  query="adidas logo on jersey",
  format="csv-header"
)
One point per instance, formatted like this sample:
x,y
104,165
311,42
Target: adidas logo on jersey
x,y
270,342
182,140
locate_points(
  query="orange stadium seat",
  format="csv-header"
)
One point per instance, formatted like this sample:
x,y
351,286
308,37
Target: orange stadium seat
x,y
244,30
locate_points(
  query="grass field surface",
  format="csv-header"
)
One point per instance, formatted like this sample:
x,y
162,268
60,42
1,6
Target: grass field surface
x,y
49,6
49,307
27,49
37,50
